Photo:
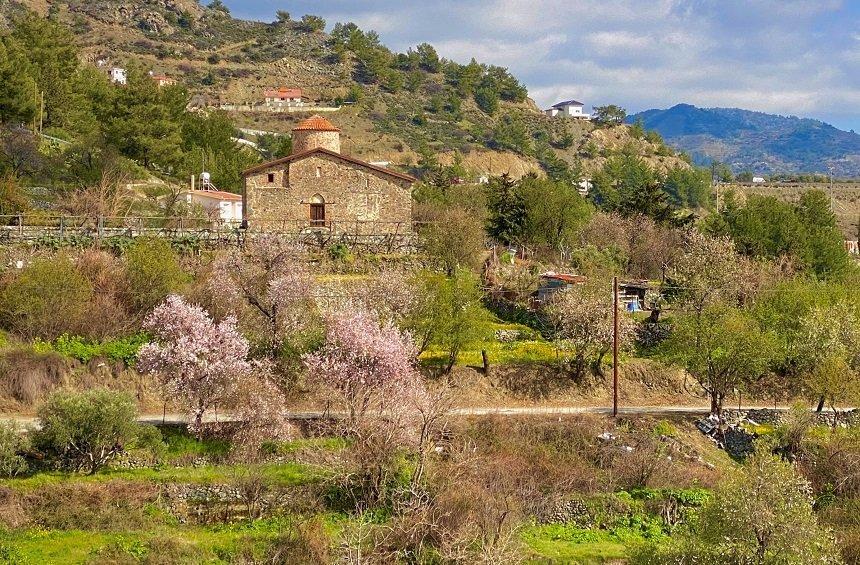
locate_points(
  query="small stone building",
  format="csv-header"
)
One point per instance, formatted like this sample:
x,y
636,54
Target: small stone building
x,y
318,187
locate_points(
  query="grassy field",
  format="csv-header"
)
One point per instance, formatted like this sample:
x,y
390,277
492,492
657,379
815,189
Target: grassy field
x,y
122,515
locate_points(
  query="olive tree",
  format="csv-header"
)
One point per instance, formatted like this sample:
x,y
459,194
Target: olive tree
x,y
827,350
762,514
85,430
722,348
12,443
47,298
448,315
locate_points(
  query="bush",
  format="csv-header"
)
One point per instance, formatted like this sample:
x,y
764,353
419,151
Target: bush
x,y
121,349
153,271
84,431
47,298
12,443
27,375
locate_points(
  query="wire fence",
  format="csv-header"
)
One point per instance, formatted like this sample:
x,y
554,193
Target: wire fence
x,y
380,235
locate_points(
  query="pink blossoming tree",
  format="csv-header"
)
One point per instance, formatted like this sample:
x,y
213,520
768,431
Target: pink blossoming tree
x,y
268,286
367,365
196,358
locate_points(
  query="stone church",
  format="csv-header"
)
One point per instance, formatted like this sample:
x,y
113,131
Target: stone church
x,y
318,187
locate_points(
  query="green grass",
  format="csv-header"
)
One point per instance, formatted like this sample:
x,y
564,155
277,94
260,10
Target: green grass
x,y
531,348
563,543
287,447
518,352
280,474
187,544
180,442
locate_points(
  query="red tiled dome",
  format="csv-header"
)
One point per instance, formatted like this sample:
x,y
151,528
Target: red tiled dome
x,y
316,123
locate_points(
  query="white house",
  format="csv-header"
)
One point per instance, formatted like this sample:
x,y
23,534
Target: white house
x,y
568,109
117,75
758,180
283,97
218,204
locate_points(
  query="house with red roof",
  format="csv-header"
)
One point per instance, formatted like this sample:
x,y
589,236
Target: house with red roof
x,y
283,97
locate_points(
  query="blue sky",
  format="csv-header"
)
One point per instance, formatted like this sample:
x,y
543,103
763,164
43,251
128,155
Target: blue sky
x,y
798,57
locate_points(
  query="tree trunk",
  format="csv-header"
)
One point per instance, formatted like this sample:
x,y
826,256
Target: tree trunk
x,y
486,362
820,404
198,423
452,359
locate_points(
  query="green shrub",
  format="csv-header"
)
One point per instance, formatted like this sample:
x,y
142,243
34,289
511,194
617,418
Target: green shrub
x,y
12,443
339,252
153,271
46,299
664,428
121,349
85,430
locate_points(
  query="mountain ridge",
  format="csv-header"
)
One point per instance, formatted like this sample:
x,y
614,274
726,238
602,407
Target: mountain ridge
x,y
756,141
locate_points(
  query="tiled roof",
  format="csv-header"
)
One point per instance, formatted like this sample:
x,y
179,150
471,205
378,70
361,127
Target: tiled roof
x,y
217,194
316,123
283,93
308,153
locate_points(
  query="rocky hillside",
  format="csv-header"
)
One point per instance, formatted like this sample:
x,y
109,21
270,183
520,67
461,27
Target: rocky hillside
x,y
397,109
755,141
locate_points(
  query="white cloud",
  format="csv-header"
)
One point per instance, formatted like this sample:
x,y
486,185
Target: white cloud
x,y
785,56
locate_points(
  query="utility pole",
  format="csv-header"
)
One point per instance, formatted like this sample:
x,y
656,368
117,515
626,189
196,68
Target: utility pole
x,y
832,207
615,346
42,113
714,186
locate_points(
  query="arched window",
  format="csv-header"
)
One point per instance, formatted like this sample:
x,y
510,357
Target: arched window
x,y
317,211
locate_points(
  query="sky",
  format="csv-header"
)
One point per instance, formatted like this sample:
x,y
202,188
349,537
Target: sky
x,y
790,57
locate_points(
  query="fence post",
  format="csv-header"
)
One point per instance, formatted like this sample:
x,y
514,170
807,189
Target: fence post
x,y
101,226
21,225
62,227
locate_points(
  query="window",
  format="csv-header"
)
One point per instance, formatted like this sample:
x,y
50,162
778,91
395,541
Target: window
x,y
271,178
319,172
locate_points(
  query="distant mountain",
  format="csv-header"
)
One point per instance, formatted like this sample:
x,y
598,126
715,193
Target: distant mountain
x,y
755,141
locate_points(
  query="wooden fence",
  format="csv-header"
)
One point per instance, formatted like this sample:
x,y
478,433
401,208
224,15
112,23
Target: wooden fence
x,y
376,236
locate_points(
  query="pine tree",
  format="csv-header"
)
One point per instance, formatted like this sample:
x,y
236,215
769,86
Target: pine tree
x,y
17,89
507,209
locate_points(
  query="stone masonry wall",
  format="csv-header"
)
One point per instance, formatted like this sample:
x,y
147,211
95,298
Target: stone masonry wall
x,y
351,193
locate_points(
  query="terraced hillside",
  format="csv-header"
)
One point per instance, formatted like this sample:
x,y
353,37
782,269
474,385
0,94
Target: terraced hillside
x,y
408,109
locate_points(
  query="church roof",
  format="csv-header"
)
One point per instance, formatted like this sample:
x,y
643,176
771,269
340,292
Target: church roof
x,y
308,153
316,123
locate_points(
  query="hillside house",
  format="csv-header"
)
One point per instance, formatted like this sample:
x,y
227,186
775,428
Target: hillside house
x,y
568,109
852,247
318,188
162,79
117,75
217,204
283,97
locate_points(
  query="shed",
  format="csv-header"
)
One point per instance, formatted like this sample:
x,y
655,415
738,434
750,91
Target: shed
x,y
551,283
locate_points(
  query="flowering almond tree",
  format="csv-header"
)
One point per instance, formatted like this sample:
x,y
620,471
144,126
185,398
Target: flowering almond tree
x,y
196,359
368,365
272,285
